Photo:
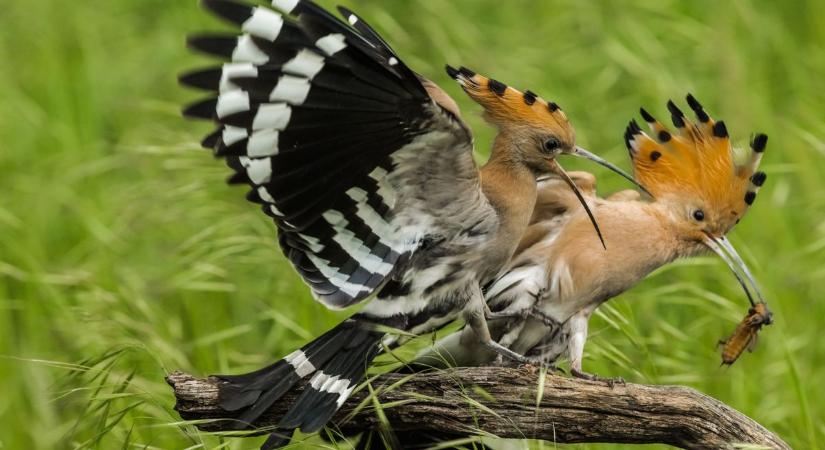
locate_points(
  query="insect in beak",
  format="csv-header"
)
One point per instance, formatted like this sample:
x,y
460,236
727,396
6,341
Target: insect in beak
x,y
746,334
556,168
722,247
582,153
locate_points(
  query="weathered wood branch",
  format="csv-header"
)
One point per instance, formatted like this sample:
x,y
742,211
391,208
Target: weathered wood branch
x,y
503,402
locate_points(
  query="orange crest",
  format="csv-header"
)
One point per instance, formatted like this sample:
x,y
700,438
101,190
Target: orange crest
x,y
699,160
505,105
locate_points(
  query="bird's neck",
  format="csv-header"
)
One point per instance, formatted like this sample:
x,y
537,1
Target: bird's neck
x,y
510,187
653,240
639,240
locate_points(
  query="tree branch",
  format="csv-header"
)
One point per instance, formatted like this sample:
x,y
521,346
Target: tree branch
x,y
502,402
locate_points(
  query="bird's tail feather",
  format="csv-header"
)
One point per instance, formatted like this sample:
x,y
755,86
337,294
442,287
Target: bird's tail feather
x,y
332,385
338,361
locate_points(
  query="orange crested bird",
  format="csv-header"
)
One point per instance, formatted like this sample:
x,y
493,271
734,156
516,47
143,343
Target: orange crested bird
x,y
367,170
559,277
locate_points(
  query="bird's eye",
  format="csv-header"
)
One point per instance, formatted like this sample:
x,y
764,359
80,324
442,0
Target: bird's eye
x,y
551,145
699,215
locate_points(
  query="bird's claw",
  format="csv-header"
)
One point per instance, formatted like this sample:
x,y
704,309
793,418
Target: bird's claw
x,y
534,369
505,355
593,377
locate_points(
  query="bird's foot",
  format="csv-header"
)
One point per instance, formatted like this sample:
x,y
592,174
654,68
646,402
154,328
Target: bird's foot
x,y
576,373
549,368
533,367
506,357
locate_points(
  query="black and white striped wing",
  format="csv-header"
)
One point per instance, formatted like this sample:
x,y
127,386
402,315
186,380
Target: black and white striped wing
x,y
339,140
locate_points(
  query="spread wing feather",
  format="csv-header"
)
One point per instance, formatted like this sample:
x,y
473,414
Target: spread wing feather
x,y
339,140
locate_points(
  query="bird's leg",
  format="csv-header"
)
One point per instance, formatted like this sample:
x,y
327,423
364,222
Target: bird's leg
x,y
593,377
476,317
507,339
478,323
578,336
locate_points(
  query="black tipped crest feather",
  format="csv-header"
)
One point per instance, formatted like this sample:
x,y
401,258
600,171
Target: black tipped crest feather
x,y
466,72
719,151
646,116
497,86
697,108
720,130
759,142
677,115
530,97
758,179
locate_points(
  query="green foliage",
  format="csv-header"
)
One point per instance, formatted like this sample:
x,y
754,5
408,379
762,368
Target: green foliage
x,y
124,255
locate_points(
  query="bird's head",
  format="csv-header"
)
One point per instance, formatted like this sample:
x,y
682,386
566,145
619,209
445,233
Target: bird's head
x,y
537,130
694,173
540,129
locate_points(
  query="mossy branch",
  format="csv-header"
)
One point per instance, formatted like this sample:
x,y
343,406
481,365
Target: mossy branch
x,y
504,402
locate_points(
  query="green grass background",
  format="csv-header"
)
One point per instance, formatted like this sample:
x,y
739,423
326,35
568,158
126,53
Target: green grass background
x,y
123,254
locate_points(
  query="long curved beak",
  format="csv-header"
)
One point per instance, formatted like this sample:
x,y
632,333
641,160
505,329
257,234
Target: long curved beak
x,y
558,170
722,247
582,153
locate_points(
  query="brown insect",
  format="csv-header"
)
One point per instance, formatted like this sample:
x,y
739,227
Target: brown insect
x,y
746,334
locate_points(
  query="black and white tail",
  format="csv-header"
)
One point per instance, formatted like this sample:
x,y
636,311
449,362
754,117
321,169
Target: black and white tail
x,y
337,361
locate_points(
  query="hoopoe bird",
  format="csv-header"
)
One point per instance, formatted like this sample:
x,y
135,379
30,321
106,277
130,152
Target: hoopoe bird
x,y
558,277
367,170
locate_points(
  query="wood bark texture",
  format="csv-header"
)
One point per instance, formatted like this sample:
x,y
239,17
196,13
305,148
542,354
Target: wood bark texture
x,y
505,402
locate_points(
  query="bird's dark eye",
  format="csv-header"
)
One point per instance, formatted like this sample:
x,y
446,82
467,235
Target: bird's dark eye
x,y
699,215
551,145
